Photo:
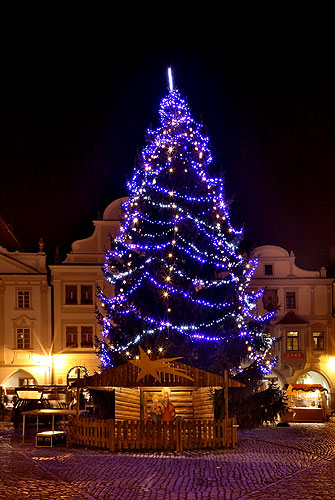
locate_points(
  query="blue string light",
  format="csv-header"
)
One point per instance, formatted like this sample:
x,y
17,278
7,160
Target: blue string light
x,y
175,220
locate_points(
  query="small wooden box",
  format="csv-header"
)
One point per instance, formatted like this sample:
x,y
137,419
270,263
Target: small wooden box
x,y
50,438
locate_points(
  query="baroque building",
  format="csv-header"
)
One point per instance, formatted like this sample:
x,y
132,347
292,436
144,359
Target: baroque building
x,y
304,323
48,324
25,314
74,284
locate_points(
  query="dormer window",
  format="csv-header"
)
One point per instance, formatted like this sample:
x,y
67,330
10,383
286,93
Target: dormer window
x,y
268,269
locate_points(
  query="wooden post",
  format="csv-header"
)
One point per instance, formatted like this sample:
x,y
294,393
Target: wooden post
x,y
23,427
226,393
111,434
78,392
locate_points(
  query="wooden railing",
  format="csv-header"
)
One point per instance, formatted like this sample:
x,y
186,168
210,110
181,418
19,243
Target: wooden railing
x,y
178,436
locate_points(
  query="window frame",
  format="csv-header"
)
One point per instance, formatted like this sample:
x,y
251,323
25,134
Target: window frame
x,y
288,299
25,346
79,294
75,301
316,347
71,345
23,291
30,382
292,348
266,266
79,336
86,301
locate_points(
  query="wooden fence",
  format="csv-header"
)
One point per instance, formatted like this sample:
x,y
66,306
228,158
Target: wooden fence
x,y
165,436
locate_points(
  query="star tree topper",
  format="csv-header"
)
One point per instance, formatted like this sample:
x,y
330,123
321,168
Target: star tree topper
x,y
152,367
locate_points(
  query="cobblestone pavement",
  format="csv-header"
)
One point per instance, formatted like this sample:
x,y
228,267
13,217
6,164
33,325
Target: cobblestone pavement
x,y
294,463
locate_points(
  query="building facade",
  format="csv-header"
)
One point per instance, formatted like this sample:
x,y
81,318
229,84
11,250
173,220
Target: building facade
x,y
74,283
304,323
48,325
25,319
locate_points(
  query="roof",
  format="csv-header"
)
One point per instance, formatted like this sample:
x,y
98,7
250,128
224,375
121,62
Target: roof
x,y
291,318
8,240
305,388
126,375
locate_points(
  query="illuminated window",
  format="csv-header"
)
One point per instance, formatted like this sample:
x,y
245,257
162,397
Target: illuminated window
x,y
23,338
25,382
318,341
268,270
71,336
23,299
87,336
290,300
292,341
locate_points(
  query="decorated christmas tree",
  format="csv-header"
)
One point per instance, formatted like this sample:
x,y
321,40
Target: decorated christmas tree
x,y
181,283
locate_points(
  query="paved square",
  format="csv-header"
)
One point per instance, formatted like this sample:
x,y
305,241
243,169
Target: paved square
x,y
295,463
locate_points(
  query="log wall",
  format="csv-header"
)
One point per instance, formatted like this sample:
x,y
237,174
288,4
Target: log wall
x,y
127,404
203,406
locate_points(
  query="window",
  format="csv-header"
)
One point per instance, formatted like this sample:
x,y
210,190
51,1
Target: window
x,y
23,338
268,270
23,299
25,382
290,300
87,336
292,341
318,341
78,294
86,295
71,294
71,336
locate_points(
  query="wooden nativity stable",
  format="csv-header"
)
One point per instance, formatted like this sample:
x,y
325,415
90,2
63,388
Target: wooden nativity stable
x,y
163,398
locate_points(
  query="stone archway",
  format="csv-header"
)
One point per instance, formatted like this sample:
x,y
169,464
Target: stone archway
x,y
20,378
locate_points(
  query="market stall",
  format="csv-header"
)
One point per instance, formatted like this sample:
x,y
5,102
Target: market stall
x,y
306,403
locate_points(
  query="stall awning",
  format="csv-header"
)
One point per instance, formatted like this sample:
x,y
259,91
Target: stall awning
x,y
292,388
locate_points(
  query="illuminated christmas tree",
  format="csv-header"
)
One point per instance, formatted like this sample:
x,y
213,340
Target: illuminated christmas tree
x,y
180,281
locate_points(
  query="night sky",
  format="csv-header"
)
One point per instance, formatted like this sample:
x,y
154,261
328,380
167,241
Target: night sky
x,y
72,120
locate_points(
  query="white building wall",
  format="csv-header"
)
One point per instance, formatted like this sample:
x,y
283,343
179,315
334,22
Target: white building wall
x,y
82,266
24,272
278,274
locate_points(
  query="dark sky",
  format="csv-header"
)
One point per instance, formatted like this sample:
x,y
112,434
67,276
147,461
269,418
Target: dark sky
x,y
73,118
